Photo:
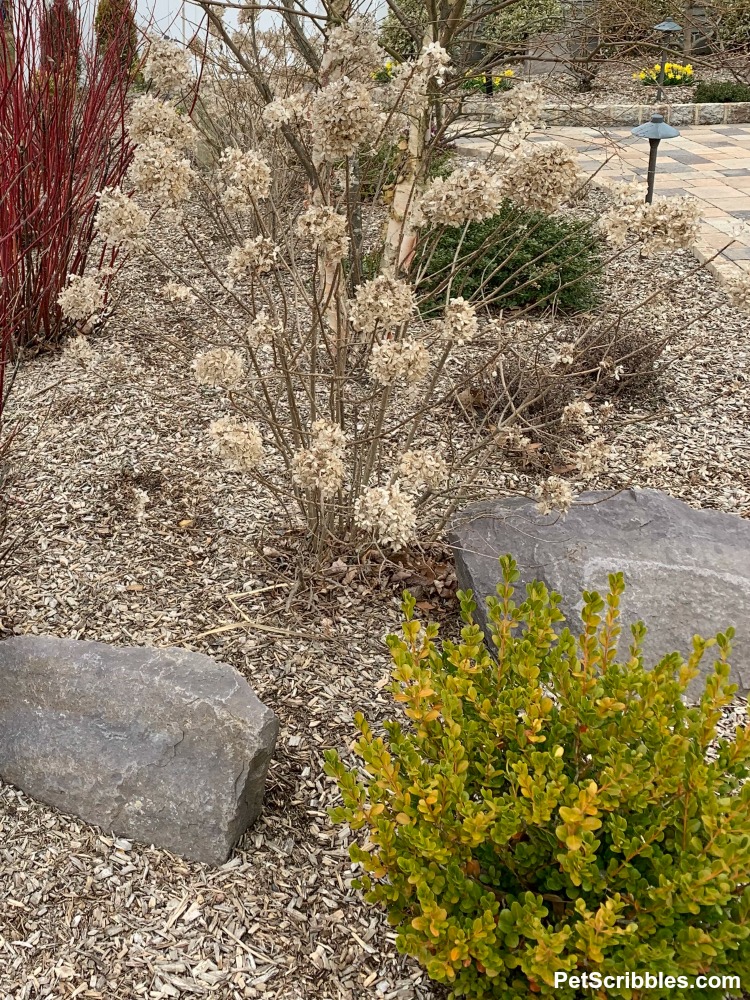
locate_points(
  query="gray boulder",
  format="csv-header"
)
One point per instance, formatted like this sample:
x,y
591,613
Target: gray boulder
x,y
165,746
687,571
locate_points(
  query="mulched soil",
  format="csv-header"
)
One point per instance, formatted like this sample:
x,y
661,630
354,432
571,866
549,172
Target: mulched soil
x,y
88,915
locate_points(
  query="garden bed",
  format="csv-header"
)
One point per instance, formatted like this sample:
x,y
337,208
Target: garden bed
x,y
191,566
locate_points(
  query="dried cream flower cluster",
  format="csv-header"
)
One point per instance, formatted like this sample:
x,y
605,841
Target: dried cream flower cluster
x,y
469,194
524,105
255,256
160,174
172,291
262,331
667,224
168,66
592,458
79,351
291,110
321,466
554,495
432,63
541,176
344,119
388,513
385,303
119,220
460,324
353,48
220,367
239,445
738,290
576,415
151,118
399,359
81,299
247,177
654,456
326,229
423,468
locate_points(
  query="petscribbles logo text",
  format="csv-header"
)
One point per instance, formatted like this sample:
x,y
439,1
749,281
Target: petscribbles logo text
x,y
644,981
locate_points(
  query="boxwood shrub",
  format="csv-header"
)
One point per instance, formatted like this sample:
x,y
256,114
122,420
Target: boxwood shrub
x,y
548,806
516,258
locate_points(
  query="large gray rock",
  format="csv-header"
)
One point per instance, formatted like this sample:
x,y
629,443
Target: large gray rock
x,y
687,571
165,746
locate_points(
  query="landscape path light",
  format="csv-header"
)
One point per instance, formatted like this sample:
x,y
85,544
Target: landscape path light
x,y
655,130
666,29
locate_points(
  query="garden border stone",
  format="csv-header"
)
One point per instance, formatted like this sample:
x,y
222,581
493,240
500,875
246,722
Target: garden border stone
x,y
163,746
686,570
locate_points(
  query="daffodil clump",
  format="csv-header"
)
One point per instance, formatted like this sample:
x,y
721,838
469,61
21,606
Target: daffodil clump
x,y
675,75
500,81
386,72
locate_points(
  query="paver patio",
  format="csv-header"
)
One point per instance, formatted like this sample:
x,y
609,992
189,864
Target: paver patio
x,y
710,163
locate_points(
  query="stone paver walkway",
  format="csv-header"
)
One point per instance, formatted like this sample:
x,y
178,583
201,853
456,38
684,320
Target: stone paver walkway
x,y
708,162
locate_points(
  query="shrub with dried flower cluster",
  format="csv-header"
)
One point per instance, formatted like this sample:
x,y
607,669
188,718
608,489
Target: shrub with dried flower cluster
x,y
332,378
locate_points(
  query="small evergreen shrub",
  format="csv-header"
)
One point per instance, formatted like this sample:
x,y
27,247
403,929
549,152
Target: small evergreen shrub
x,y
728,92
516,258
554,807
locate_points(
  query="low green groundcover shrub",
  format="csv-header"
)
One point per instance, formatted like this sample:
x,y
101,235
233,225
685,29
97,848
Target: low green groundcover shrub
x,y
721,93
551,807
516,258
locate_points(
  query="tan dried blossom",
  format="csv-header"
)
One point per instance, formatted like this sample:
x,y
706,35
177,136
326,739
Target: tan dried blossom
x,y
384,302
257,255
565,355
388,513
82,298
247,14
667,224
524,105
460,324
247,177
262,331
239,445
219,367
433,61
159,174
468,194
321,466
344,119
654,456
554,495
80,352
399,359
172,291
120,221
423,468
576,414
737,288
291,110
141,499
150,118
541,176
591,459
353,48
168,66
326,229
511,439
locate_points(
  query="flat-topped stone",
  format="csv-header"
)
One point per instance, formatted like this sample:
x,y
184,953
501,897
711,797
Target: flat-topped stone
x,y
164,746
687,571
